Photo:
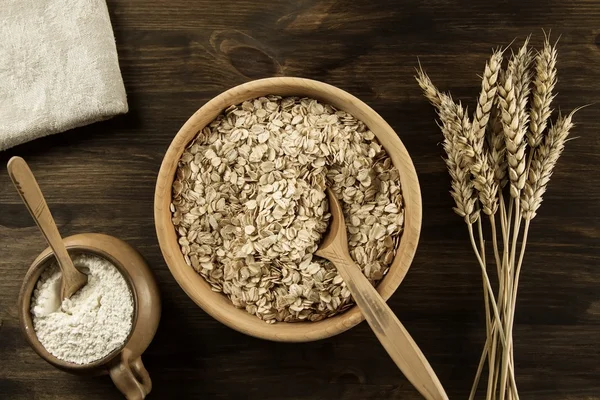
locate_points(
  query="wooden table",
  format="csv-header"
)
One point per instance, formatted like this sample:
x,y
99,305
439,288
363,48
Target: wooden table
x,y
175,55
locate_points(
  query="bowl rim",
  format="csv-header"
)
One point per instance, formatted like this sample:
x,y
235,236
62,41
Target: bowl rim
x,y
26,321
216,304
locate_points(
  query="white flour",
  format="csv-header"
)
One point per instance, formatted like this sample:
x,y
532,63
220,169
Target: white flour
x,y
93,322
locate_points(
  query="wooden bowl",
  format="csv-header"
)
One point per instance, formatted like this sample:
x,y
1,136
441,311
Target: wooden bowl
x,y
124,364
219,306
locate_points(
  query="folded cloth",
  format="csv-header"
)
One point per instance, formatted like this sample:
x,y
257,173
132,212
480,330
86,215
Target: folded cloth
x,y
58,68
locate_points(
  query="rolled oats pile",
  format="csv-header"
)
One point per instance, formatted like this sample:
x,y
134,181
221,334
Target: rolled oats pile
x,y
249,205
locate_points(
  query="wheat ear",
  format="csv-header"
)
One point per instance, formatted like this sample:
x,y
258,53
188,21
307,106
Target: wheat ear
x,y
482,166
520,67
513,103
469,143
543,85
429,90
486,99
542,164
455,122
495,138
515,151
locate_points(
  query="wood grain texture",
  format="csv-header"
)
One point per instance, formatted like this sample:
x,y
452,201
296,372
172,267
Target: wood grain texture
x,y
177,55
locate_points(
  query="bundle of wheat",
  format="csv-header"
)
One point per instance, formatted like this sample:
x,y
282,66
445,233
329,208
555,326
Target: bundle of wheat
x,y
507,142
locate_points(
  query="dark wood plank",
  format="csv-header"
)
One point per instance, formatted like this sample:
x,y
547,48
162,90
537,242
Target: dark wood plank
x,y
176,55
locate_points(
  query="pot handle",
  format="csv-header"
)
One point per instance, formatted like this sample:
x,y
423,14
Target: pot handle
x,y
130,376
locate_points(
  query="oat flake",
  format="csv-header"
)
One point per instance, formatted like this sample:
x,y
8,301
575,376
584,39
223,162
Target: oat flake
x,y
249,205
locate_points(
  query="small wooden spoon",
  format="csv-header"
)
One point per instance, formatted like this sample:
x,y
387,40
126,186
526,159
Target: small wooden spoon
x,y
390,332
23,179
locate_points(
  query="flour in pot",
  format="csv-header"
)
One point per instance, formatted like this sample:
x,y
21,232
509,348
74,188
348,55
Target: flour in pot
x,y
92,323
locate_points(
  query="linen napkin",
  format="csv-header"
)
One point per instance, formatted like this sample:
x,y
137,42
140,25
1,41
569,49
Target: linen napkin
x,y
58,68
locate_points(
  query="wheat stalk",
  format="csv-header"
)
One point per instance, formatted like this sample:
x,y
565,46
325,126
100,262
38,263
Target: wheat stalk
x,y
456,125
457,131
543,85
543,161
519,73
458,138
514,94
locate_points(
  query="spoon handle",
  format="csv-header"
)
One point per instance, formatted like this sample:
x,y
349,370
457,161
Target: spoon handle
x,y
32,196
389,330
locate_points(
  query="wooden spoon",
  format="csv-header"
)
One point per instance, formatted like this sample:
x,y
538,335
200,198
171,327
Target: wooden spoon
x,y
390,332
72,280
